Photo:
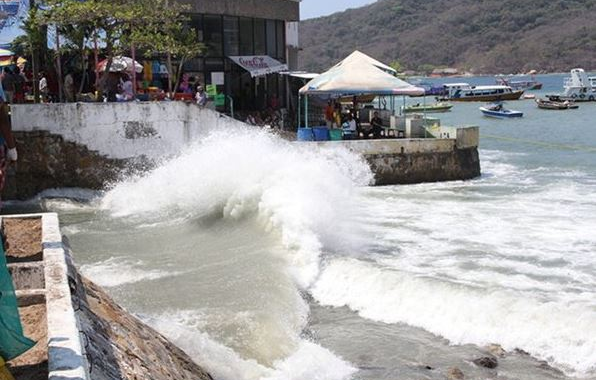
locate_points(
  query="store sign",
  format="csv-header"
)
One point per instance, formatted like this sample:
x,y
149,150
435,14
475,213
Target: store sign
x,y
259,65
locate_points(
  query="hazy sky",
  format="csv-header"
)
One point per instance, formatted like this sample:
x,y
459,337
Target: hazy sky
x,y
316,8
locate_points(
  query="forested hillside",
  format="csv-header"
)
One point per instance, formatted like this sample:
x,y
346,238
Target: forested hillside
x,y
480,36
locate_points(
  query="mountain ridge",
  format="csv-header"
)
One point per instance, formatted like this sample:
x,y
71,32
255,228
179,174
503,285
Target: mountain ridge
x,y
479,36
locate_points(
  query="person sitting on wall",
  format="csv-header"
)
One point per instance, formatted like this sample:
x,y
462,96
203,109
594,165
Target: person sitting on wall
x,y
377,126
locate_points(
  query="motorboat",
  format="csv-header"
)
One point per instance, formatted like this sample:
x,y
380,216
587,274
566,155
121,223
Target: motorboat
x,y
555,105
435,107
499,111
463,92
577,88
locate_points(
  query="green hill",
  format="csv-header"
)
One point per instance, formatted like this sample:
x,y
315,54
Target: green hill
x,y
480,36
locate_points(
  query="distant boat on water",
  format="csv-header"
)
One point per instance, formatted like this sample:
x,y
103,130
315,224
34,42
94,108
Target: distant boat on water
x,y
526,85
577,88
499,111
463,92
555,105
435,107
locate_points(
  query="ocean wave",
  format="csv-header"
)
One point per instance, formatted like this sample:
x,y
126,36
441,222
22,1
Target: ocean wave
x,y
559,333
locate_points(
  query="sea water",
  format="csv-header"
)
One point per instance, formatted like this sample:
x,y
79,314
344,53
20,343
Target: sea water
x,y
269,260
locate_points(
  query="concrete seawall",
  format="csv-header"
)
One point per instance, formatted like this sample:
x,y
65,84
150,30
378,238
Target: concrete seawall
x,y
90,145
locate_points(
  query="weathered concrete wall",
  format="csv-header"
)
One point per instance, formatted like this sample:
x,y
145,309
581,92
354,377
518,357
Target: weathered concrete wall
x,y
288,10
458,164
407,161
121,130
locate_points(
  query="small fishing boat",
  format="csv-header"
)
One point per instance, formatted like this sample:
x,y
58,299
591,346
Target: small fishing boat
x,y
497,110
529,96
436,107
554,105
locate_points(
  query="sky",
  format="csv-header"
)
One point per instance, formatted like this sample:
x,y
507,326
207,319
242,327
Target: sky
x,y
317,8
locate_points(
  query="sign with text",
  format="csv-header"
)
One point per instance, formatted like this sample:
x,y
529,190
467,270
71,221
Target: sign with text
x,y
259,65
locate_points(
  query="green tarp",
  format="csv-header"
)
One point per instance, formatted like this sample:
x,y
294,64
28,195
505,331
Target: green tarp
x,y
12,341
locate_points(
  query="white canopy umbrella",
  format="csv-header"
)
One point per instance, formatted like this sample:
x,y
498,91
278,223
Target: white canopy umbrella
x,y
120,64
357,78
358,56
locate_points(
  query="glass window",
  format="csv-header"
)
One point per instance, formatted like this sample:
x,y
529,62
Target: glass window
x,y
271,43
246,36
281,40
212,33
231,37
260,44
196,23
195,64
214,64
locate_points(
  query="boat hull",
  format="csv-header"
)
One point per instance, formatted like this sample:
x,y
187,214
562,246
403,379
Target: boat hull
x,y
501,114
515,95
429,109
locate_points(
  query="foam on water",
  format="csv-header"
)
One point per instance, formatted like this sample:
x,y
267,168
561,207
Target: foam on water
x,y
303,195
117,272
309,361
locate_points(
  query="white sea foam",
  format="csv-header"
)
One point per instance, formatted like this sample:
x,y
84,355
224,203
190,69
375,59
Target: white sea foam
x,y
294,190
309,361
559,333
117,272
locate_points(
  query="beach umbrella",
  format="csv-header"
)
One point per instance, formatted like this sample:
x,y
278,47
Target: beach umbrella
x,y
120,65
5,57
5,53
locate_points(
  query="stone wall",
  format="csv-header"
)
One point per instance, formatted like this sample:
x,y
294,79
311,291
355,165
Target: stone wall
x,y
48,161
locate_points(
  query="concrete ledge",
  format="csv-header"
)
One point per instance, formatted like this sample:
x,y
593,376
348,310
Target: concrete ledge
x,y
65,354
395,146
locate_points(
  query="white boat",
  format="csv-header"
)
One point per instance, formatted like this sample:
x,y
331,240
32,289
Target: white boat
x,y
463,92
578,87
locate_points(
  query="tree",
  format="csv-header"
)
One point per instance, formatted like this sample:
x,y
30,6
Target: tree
x,y
397,66
121,25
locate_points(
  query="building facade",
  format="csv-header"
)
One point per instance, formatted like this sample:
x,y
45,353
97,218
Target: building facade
x,y
256,34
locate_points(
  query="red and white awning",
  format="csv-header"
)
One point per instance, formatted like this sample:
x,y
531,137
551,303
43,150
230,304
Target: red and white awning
x,y
259,65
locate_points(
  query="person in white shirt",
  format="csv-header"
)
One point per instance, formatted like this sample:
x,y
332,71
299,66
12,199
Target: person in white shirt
x,y
43,87
349,128
201,96
127,92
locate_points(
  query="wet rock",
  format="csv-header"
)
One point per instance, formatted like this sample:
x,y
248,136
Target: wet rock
x,y
455,373
519,351
496,350
486,362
